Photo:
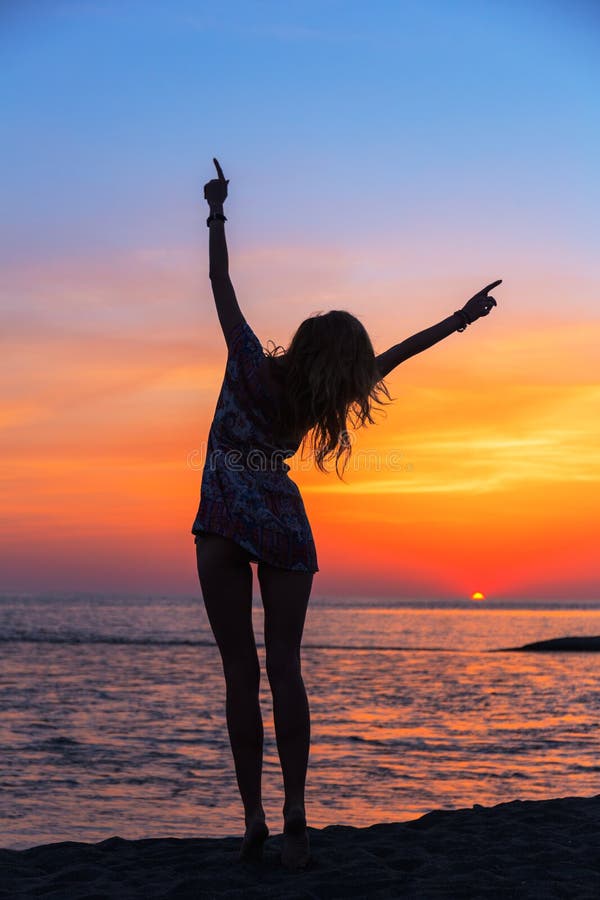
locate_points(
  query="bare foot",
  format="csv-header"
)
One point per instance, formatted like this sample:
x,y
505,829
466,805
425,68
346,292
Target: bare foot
x,y
295,849
254,838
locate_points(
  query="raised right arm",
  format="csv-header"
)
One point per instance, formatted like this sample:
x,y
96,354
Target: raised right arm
x,y
397,354
479,305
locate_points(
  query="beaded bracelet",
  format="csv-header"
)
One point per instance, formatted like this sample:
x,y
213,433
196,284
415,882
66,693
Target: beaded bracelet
x,y
463,318
214,216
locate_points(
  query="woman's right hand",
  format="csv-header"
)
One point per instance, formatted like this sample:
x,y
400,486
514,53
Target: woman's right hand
x,y
215,191
480,304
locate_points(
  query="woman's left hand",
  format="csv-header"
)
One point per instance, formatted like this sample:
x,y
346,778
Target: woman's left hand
x,y
215,191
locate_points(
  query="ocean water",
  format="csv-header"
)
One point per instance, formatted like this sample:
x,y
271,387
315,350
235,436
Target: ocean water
x,y
112,717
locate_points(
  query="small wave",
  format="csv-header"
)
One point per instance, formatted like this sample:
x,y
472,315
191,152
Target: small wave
x,y
101,639
566,644
79,639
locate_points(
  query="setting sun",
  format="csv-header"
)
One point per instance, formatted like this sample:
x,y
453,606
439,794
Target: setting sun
x,y
477,596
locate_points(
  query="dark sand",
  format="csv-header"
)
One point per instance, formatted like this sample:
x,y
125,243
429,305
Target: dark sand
x,y
524,849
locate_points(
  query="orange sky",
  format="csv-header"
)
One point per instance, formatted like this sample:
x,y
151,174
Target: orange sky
x,y
482,476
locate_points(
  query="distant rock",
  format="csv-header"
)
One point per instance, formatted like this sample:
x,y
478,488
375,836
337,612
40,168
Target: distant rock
x,y
563,644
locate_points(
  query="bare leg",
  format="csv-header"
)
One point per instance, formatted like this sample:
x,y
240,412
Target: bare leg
x,y
226,581
285,596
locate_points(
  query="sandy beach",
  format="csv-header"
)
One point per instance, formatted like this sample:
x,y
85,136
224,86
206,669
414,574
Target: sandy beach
x,y
522,849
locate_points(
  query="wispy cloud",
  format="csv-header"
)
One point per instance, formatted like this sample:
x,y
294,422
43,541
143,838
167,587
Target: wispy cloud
x,y
559,446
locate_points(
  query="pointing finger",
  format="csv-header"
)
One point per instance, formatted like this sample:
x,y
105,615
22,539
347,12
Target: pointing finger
x,y
490,286
219,169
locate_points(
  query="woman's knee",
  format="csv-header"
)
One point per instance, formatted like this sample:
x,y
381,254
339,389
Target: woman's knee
x,y
283,664
242,674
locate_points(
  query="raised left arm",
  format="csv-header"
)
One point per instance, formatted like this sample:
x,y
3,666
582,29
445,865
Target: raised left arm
x,y
228,309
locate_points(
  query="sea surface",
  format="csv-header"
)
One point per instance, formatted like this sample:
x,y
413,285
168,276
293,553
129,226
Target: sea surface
x,y
112,717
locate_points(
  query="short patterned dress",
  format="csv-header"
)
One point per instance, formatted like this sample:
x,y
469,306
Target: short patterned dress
x,y
246,493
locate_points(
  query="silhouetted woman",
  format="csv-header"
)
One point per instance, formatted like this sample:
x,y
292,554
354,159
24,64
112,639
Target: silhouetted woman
x,y
251,511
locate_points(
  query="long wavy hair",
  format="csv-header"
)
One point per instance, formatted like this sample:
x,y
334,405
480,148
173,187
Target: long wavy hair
x,y
330,379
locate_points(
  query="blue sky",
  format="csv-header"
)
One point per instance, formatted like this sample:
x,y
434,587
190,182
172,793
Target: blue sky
x,y
431,118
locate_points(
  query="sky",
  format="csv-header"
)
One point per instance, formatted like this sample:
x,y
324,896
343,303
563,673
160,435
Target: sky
x,y
388,158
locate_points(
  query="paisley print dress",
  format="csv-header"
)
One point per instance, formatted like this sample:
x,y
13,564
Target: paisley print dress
x,y
246,493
